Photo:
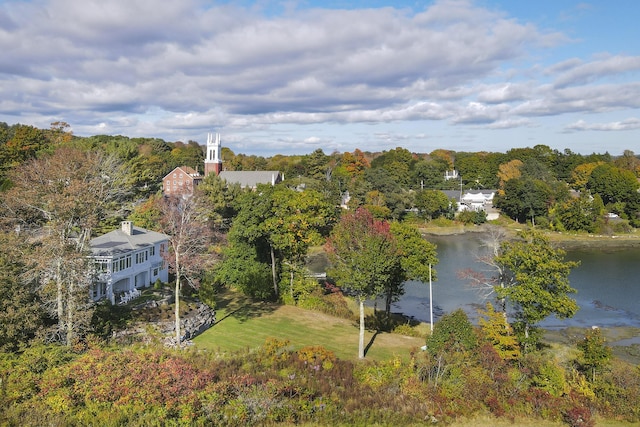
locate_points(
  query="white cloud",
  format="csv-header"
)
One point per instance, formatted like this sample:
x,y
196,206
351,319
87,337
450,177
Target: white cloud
x,y
577,72
189,66
631,123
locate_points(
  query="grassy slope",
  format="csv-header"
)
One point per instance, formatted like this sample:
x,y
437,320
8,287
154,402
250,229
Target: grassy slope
x,y
244,324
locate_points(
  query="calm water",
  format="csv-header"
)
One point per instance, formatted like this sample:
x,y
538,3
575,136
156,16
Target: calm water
x,y
608,285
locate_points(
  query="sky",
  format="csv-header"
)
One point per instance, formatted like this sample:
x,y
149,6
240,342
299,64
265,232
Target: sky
x,y
289,77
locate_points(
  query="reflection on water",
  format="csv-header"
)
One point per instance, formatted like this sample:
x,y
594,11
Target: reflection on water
x,y
608,285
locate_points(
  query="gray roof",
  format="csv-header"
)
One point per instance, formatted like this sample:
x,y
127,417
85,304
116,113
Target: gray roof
x,y
118,242
250,178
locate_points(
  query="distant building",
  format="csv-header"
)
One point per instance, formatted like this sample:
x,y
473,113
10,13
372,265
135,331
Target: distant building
x,y
451,175
472,200
251,179
127,259
181,180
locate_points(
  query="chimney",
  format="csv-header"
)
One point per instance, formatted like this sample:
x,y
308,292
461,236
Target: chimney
x,y
127,227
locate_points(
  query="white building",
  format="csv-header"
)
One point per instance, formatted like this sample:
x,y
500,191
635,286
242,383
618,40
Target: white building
x,y
476,200
126,260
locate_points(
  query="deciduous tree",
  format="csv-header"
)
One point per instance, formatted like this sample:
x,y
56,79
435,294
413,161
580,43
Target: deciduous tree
x,y
57,200
370,257
595,354
184,220
539,282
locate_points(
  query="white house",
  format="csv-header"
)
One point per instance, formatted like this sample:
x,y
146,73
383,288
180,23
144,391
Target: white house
x,y
476,200
126,260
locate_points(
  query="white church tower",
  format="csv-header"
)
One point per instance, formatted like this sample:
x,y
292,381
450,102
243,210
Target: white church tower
x,y
213,161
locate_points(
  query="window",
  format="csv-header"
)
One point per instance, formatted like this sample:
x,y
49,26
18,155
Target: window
x,y
141,257
155,272
152,250
101,265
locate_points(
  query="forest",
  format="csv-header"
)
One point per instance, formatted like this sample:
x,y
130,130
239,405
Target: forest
x,y
61,363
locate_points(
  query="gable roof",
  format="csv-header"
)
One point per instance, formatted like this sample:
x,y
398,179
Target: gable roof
x,y
470,194
251,179
185,170
118,242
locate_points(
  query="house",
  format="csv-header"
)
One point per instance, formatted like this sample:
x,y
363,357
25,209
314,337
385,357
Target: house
x,y
251,179
474,200
181,180
126,260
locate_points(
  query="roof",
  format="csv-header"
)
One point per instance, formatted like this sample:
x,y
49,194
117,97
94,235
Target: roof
x,y
185,170
250,178
118,242
470,194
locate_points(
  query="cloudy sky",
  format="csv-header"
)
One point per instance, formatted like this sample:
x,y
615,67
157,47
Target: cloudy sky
x,y
293,76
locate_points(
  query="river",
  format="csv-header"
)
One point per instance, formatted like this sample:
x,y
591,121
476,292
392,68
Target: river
x,y
607,284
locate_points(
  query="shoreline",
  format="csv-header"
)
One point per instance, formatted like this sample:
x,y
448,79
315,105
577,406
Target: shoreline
x,y
565,240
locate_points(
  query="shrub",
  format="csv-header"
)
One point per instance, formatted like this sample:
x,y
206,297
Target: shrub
x,y
453,332
406,329
108,318
579,416
472,217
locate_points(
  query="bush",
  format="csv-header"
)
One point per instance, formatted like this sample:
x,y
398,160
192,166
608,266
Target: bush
x,y
108,318
472,217
406,329
453,332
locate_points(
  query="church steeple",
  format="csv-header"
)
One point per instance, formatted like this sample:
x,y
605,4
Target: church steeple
x,y
213,160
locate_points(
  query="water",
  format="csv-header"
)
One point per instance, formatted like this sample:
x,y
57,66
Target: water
x,y
608,285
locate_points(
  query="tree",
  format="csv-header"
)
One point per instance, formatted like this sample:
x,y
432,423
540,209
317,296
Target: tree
x,y
21,314
453,333
538,279
363,258
595,354
280,224
185,222
298,220
499,333
582,213
527,276
432,203
524,198
508,171
221,198
613,184
581,174
57,200
418,258
370,257
148,214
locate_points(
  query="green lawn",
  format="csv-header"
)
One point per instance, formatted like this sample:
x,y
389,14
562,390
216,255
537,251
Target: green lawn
x,y
243,324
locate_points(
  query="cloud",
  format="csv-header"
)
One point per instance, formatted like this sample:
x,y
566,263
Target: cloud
x,y
576,72
189,67
631,123
185,58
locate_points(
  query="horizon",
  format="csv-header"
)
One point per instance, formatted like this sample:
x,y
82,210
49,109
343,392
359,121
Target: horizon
x,y
288,78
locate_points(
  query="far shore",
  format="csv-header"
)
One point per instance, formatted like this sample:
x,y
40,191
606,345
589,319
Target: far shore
x,y
564,240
